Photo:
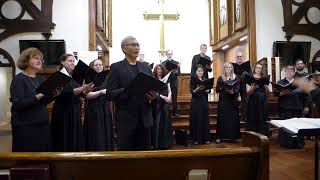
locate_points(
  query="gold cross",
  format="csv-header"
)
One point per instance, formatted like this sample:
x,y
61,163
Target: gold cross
x,y
161,17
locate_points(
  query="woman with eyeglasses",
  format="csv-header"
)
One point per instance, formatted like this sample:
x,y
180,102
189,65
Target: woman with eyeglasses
x,y
97,126
228,122
257,103
29,119
66,121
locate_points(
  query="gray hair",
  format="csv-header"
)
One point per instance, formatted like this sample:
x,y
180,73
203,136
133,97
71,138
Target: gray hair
x,y
168,50
125,40
203,45
240,50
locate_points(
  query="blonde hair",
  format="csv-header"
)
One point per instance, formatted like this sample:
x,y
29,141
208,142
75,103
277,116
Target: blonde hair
x,y
26,55
233,76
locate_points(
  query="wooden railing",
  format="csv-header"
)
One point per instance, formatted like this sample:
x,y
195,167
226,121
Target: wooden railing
x,y
249,162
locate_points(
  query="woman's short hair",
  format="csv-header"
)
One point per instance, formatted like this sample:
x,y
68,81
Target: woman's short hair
x,y
26,55
262,70
290,67
91,64
62,59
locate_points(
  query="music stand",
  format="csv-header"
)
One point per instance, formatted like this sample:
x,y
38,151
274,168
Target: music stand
x,y
315,131
316,134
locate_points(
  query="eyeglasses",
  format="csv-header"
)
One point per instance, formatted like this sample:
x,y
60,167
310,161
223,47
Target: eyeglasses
x,y
133,44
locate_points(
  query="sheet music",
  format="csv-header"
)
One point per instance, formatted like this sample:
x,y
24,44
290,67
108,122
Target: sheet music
x,y
295,124
165,79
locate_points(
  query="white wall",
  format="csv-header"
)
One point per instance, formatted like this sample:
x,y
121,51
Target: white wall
x,y
183,36
71,19
269,23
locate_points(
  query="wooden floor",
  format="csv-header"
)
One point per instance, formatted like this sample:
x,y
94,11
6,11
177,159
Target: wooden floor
x,y
285,164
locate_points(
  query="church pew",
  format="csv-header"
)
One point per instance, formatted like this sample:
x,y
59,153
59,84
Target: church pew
x,y
249,162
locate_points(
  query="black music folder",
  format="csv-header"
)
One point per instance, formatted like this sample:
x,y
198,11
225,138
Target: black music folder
x,y
81,71
144,83
244,67
208,83
151,65
170,65
260,82
204,61
96,78
229,84
283,87
55,81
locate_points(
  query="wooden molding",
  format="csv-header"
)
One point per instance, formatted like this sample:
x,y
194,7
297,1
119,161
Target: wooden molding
x,y
41,19
231,41
11,63
292,20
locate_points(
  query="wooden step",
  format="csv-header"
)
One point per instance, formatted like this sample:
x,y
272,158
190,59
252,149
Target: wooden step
x,y
183,118
185,125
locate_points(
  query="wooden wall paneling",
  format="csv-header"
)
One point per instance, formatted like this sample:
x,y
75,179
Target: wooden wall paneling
x,y
184,87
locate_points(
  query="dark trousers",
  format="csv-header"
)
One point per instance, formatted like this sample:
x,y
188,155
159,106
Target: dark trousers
x,y
135,139
174,91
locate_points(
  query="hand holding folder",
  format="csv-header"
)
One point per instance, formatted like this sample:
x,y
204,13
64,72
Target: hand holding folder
x,y
56,81
170,65
229,84
283,87
208,83
244,67
204,62
249,79
143,83
83,72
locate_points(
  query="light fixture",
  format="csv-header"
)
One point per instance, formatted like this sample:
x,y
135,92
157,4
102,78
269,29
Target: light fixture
x,y
99,48
243,38
225,47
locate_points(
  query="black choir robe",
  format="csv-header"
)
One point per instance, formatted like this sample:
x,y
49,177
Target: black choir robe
x,y
195,60
97,126
199,116
162,127
257,111
228,121
315,94
29,119
292,104
66,122
133,113
173,79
